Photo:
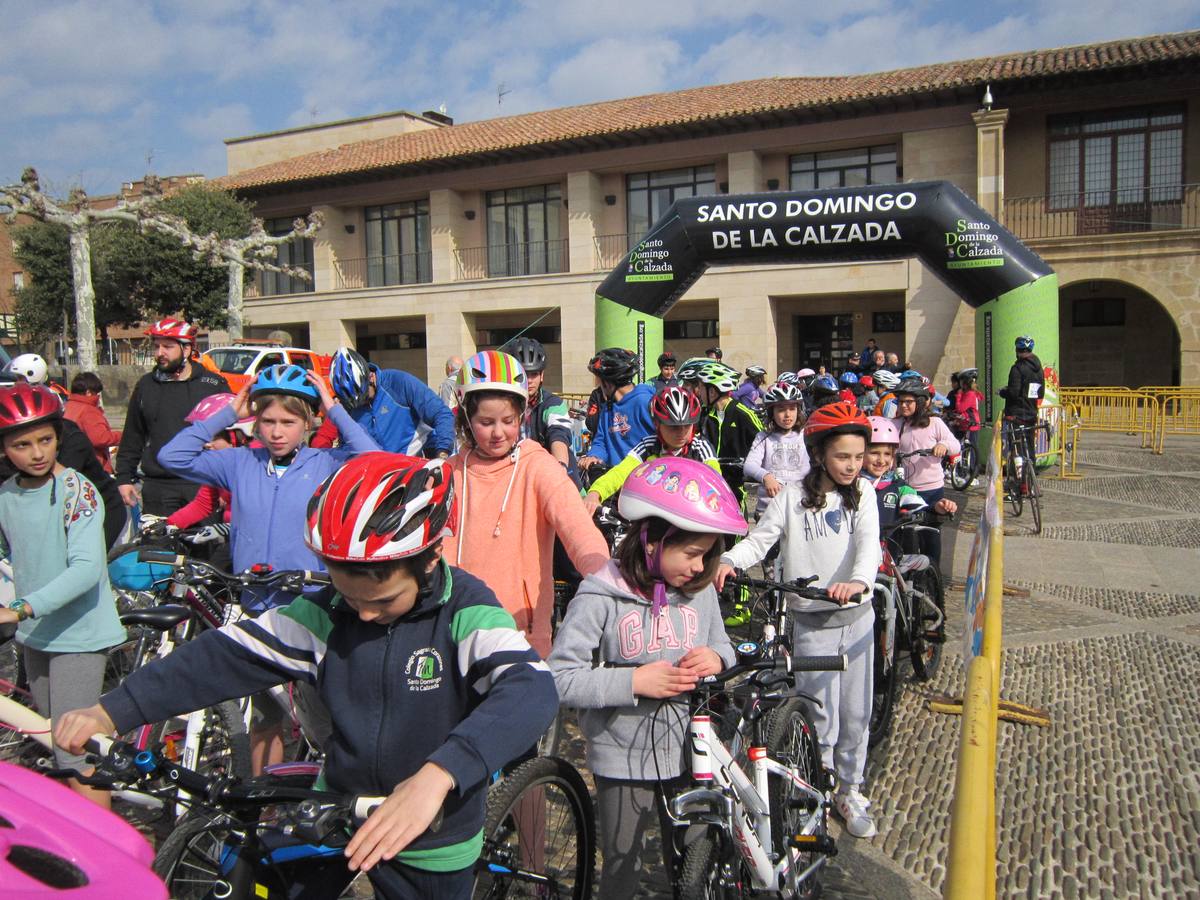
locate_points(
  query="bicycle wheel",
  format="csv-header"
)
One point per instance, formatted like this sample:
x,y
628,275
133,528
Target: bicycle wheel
x,y
701,876
963,472
1033,495
16,745
883,696
552,738
539,837
792,741
189,860
929,628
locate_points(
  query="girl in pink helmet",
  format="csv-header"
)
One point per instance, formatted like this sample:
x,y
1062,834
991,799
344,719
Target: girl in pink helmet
x,y
652,617
895,496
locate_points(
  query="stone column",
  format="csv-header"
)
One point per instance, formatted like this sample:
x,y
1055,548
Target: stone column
x,y
989,159
747,329
445,227
585,201
448,332
327,335
745,172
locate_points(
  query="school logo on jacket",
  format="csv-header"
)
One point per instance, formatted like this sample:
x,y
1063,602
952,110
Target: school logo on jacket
x,y
424,669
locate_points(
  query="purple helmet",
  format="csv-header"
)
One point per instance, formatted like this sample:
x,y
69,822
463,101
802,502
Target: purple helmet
x,y
689,494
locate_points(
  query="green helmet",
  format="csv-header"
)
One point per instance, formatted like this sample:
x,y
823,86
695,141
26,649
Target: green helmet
x,y
713,372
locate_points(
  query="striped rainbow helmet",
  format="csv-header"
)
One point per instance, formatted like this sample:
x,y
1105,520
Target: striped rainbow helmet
x,y
492,370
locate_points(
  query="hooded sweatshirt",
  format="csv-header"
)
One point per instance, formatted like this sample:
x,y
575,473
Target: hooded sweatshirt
x,y
622,425
509,511
403,417
607,633
84,410
833,543
268,511
156,414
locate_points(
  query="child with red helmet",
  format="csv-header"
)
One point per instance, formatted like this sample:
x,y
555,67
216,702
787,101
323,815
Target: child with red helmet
x,y
675,412
430,685
52,531
828,526
652,617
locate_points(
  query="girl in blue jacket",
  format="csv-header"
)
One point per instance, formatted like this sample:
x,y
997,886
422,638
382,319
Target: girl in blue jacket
x,y
271,486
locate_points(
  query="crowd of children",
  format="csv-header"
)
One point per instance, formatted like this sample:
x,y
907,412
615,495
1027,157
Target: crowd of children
x,y
453,559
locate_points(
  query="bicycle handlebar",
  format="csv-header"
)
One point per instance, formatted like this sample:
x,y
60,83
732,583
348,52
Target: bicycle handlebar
x,y
778,663
243,579
799,586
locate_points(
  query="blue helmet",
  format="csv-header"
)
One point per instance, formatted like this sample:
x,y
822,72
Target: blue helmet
x,y
349,378
824,384
1024,344
286,379
849,378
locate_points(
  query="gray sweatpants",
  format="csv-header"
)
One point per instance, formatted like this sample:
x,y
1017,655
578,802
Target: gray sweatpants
x,y
626,811
844,716
61,682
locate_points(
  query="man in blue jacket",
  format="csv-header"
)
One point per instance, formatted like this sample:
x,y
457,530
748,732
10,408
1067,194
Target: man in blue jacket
x,y
398,410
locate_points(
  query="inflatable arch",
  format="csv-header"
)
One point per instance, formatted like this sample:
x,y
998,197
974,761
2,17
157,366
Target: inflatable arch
x,y
1011,289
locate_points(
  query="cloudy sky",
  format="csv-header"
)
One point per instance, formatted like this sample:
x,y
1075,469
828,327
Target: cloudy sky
x,y
89,91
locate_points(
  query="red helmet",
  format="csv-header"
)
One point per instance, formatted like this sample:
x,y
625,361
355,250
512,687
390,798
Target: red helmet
x,y
175,329
836,418
675,406
381,506
27,404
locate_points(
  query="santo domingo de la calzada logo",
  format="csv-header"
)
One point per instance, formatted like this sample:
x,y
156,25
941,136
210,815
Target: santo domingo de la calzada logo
x,y
650,261
424,669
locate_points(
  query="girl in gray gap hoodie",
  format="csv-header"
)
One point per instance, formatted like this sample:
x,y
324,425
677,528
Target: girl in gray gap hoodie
x,y
642,630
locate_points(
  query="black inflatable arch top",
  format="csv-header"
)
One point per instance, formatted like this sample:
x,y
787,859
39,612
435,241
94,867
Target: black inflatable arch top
x,y
935,221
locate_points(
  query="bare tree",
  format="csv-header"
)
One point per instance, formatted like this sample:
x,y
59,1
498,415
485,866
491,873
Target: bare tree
x,y
256,250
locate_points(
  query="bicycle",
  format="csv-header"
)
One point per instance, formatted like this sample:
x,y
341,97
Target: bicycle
x,y
765,831
1020,473
963,469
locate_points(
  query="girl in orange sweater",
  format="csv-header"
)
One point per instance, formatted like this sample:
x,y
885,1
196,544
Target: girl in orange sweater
x,y
514,497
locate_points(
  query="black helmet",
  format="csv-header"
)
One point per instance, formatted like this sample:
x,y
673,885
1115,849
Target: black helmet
x,y
614,364
667,359
529,353
913,386
715,352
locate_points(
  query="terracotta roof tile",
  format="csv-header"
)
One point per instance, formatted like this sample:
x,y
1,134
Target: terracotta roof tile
x,y
723,101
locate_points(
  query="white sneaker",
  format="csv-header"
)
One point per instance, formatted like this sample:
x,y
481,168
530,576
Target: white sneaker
x,y
852,806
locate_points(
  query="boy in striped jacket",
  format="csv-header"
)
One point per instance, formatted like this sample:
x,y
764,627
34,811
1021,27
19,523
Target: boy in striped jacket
x,y
430,685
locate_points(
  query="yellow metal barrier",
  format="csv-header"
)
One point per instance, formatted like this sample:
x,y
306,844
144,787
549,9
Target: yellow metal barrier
x,y
971,866
1118,410
1181,413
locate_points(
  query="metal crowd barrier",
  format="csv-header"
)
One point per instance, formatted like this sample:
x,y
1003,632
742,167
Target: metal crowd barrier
x,y
1118,410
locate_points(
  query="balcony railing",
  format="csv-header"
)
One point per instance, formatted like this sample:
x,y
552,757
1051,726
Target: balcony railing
x,y
270,284
611,249
381,271
506,260
1122,211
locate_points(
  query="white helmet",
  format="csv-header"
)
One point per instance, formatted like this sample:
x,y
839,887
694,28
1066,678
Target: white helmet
x,y
886,380
31,367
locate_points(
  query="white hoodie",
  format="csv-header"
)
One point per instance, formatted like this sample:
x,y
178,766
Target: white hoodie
x,y
832,543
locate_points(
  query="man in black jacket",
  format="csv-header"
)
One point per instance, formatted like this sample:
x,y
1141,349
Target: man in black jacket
x,y
157,408
1025,389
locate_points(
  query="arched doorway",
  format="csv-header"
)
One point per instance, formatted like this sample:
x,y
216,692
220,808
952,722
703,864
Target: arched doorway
x,y
1112,333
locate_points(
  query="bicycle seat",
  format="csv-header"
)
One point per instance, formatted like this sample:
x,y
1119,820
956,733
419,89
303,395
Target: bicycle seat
x,y
159,618
913,562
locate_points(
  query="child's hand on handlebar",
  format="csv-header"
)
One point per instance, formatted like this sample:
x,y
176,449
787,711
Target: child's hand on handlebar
x,y
724,570
401,818
586,462
701,662
660,680
945,507
76,727
846,591
940,450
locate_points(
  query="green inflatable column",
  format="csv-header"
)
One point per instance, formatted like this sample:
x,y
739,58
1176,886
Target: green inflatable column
x,y
620,326
1031,309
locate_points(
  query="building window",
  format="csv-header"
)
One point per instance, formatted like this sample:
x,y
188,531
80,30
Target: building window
x,y
1098,312
495,337
404,340
524,231
887,322
18,280
649,195
298,254
843,168
1116,158
683,329
398,246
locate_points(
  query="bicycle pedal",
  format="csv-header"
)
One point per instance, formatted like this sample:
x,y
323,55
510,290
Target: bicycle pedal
x,y
814,843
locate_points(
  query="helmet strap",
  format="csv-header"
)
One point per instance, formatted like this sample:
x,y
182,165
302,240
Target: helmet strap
x,y
654,567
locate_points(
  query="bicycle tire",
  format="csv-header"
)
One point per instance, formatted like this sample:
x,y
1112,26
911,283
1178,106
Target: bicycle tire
x,y
563,808
552,738
1034,498
700,875
883,692
791,739
963,472
929,628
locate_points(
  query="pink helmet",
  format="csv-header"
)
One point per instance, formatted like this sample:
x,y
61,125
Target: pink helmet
x,y
883,431
689,494
208,406
806,373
